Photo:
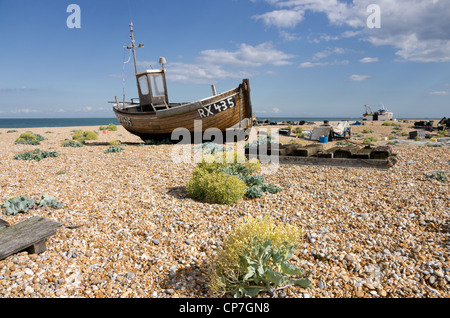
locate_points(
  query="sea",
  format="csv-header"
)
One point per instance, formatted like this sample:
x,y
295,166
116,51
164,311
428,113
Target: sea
x,y
75,122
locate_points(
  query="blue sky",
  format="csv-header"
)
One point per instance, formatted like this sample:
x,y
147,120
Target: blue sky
x,y
304,58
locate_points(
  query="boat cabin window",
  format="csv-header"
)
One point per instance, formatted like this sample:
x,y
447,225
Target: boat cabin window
x,y
157,85
152,89
143,85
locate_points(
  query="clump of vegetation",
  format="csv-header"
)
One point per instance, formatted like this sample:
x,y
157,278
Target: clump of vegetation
x,y
48,200
386,123
29,138
115,142
215,187
262,140
37,155
110,127
72,143
439,175
113,149
11,131
367,131
392,137
23,203
255,259
226,177
369,141
298,130
84,135
442,133
417,138
17,205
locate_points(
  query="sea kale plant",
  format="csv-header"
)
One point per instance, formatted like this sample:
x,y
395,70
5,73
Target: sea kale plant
x,y
23,204
113,149
17,205
37,155
226,177
29,138
72,143
255,259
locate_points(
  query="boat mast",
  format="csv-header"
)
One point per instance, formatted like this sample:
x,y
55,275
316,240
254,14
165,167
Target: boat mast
x,y
133,46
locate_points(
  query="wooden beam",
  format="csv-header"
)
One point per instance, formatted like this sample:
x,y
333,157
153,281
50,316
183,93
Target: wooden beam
x,y
29,235
331,162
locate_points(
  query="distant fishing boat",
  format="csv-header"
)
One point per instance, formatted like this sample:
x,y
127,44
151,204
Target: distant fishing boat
x,y
154,117
381,114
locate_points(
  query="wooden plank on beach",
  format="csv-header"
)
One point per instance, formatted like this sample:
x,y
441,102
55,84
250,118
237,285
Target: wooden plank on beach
x,y
29,235
346,152
363,153
331,162
329,153
303,151
382,152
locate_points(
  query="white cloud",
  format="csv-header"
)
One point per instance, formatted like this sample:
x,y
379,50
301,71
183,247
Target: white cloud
x,y
311,64
221,64
328,52
369,60
416,29
287,36
274,110
24,110
359,78
247,55
442,93
281,18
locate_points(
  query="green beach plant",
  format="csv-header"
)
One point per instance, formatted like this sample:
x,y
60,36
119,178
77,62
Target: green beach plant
x,y
22,204
115,142
29,138
48,200
37,155
255,259
81,135
113,149
110,127
17,204
72,143
226,177
369,141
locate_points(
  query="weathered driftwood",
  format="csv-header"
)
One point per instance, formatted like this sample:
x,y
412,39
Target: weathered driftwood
x,y
327,153
363,153
331,162
303,151
346,152
382,152
29,235
3,224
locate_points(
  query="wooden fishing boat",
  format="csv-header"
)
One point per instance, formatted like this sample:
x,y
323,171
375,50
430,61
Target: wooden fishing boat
x,y
154,117
381,114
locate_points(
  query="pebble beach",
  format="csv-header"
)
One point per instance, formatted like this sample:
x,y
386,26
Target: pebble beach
x,y
131,231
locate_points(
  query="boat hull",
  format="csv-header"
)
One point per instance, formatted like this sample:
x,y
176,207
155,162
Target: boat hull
x,y
229,110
